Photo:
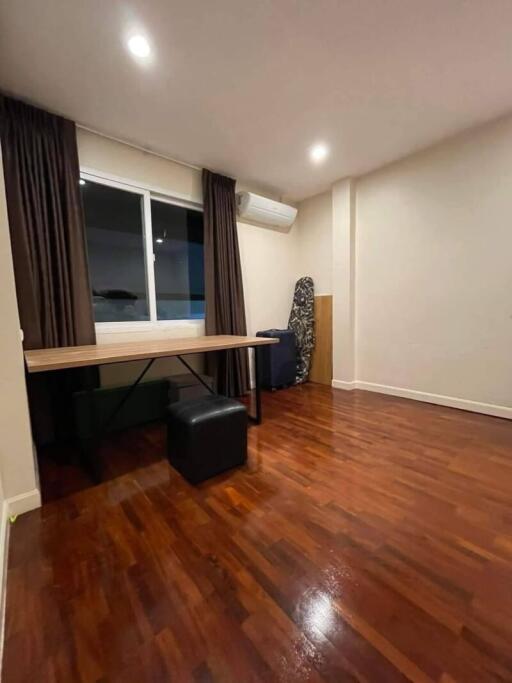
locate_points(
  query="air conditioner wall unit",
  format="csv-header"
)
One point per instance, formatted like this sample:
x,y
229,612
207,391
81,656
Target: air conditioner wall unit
x,y
252,207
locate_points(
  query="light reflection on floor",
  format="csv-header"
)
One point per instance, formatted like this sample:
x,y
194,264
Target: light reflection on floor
x,y
318,612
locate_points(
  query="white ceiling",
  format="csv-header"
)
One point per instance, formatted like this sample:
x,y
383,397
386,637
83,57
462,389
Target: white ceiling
x,y
246,86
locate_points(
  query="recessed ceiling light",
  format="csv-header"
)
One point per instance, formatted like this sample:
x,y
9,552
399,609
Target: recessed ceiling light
x,y
82,181
139,46
318,153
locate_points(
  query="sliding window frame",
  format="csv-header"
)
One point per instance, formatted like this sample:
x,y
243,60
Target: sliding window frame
x,y
147,236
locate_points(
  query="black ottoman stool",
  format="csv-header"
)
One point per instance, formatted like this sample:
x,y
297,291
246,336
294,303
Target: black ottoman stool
x,y
206,436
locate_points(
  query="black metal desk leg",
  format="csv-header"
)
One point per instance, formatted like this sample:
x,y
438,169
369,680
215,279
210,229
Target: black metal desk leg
x,y
257,383
90,446
196,375
114,413
90,460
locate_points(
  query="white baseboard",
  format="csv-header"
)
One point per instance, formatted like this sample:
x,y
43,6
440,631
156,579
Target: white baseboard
x,y
439,399
16,505
340,384
24,502
4,551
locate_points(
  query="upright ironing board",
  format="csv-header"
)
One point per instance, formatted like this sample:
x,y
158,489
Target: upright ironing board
x,y
302,322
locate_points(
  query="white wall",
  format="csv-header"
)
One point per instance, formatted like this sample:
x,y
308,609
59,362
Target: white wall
x,y
103,154
343,268
269,271
314,233
269,257
434,272
325,234
418,258
17,464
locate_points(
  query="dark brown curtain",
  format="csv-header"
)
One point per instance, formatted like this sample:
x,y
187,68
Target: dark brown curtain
x,y
46,225
42,176
224,294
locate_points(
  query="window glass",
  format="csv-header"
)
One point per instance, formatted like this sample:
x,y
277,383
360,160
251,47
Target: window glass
x,y
178,249
115,242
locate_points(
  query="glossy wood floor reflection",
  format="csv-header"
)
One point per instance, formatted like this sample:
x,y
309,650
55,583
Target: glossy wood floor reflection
x,y
368,539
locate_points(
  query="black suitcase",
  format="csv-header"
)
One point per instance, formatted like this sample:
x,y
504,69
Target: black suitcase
x,y
278,361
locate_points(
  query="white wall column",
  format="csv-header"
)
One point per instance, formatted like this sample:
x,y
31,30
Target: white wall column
x,y
17,462
343,280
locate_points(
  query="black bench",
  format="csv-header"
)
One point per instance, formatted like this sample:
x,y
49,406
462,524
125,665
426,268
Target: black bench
x,y
206,436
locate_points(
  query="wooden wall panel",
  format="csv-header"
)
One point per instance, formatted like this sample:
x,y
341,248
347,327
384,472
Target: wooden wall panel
x,y
321,366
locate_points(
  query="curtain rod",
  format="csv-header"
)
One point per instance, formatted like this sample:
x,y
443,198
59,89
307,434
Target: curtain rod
x,y
134,146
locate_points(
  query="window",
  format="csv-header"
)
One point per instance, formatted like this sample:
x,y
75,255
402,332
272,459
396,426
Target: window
x,y
145,254
114,222
179,276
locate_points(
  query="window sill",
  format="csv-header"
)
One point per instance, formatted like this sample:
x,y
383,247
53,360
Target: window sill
x,y
147,329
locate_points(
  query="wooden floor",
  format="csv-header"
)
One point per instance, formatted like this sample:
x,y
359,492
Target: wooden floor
x,y
369,538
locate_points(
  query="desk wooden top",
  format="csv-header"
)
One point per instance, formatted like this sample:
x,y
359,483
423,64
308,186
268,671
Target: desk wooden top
x,y
42,360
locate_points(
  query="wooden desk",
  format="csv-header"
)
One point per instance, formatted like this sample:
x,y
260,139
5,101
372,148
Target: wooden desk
x,y
45,360
42,360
